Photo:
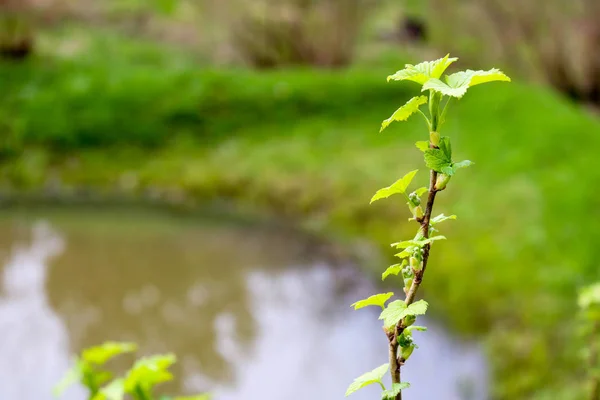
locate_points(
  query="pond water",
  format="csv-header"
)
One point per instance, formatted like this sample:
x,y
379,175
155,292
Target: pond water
x,y
252,313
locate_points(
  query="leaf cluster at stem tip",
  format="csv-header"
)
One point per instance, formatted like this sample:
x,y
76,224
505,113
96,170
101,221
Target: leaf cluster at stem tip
x,y
429,75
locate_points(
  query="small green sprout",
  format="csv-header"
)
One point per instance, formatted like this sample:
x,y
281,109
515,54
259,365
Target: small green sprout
x,y
138,383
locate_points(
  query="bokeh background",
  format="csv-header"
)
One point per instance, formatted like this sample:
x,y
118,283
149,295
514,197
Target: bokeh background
x,y
195,175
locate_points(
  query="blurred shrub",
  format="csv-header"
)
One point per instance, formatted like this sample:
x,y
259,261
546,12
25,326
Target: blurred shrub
x,y
16,35
555,41
67,105
322,33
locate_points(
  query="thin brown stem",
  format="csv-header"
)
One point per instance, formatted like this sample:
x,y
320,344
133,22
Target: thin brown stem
x,y
410,297
396,362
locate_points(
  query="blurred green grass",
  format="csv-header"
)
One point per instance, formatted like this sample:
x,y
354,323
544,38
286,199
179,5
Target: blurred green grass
x,y
304,144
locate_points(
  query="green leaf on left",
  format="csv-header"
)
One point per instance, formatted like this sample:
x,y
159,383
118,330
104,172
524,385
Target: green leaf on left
x,y
369,378
456,85
404,253
422,145
392,270
404,112
393,392
398,187
99,355
375,300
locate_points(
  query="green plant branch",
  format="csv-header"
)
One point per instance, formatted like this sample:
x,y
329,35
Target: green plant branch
x,y
410,296
399,316
396,361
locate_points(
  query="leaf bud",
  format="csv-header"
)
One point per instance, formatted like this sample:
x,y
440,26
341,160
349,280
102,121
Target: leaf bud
x,y
415,264
407,284
417,211
409,320
414,199
441,181
407,352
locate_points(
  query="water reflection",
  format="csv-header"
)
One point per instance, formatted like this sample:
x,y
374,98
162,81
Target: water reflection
x,y
249,314
35,344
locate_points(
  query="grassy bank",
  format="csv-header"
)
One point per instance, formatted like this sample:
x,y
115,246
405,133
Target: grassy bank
x,y
304,145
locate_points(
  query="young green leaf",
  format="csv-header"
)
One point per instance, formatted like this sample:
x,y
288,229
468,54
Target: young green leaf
x,y
404,254
417,243
420,191
393,313
422,145
404,112
424,71
456,85
409,330
399,186
445,146
391,270
397,310
375,300
433,239
369,378
393,392
462,164
451,169
438,159
99,355
471,78
443,88
113,391
416,308
405,244
441,218
148,372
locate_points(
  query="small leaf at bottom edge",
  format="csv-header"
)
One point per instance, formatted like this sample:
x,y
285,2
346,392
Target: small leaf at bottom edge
x,y
393,392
